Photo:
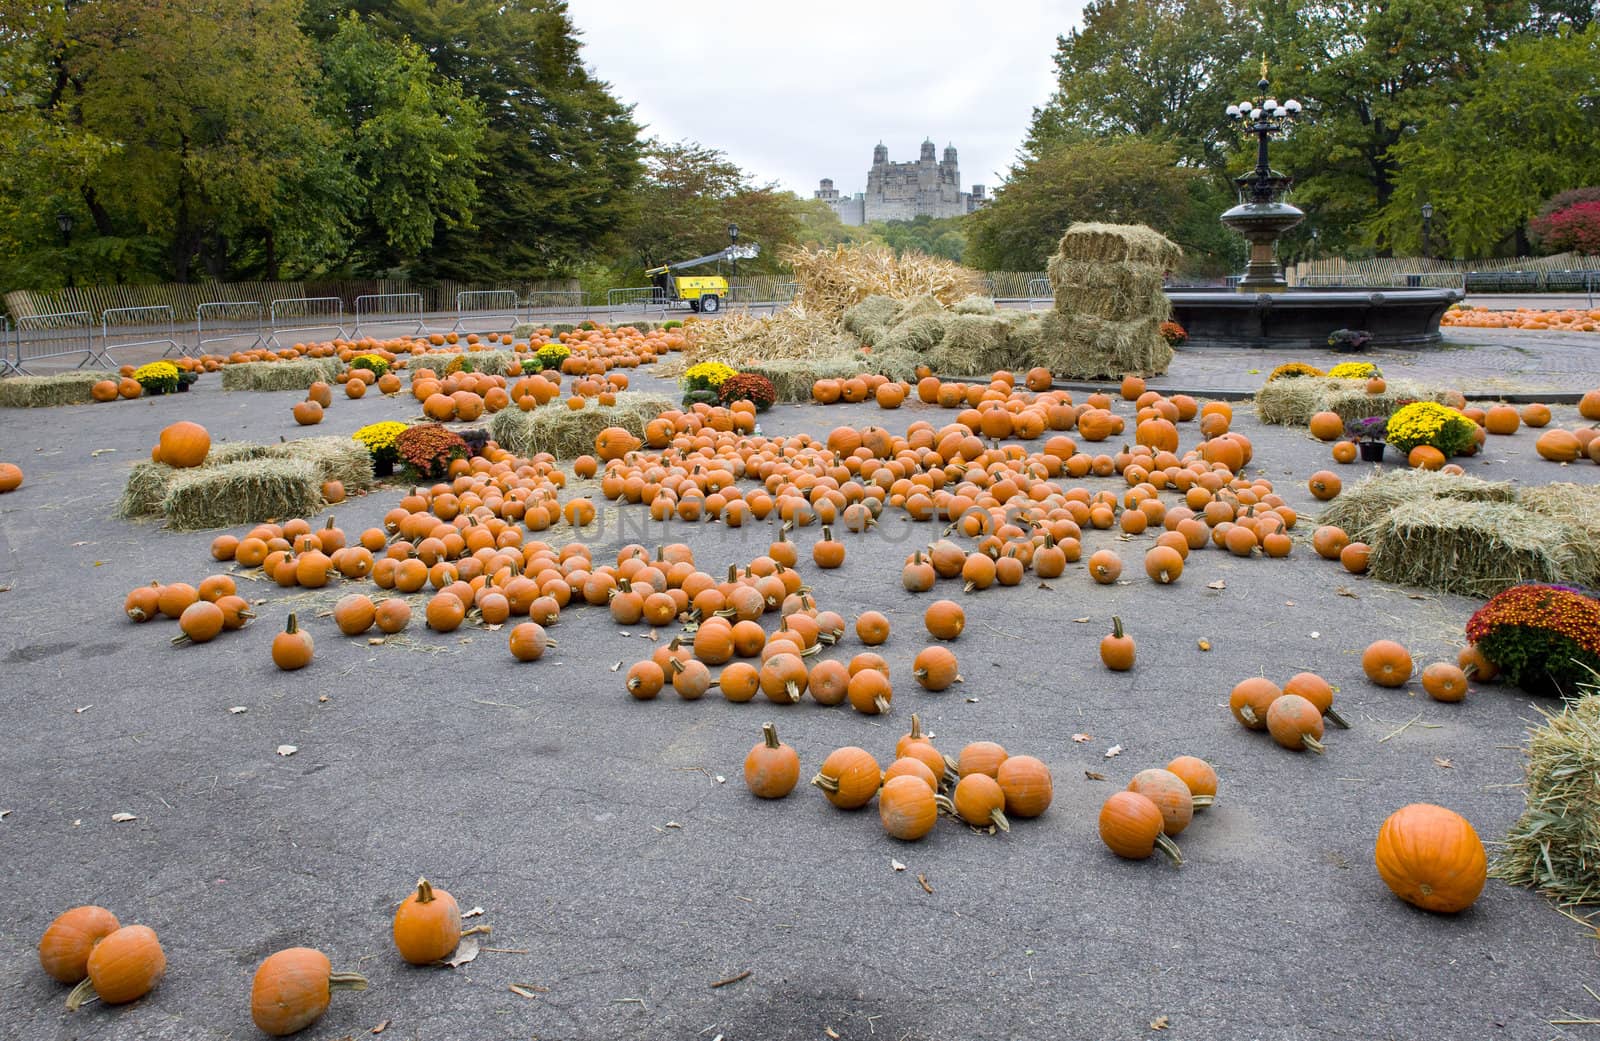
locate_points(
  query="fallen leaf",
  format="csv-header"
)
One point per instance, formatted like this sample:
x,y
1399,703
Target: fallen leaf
x,y
923,882
831,1033
238,710
1161,1022
75,545
1080,620
1288,603
376,641
1443,763
674,824
287,750
100,452
381,1027
1046,585
1113,751
1316,635
1218,584
466,951
1092,776
1081,738
521,991
1203,644
98,563
122,818
617,666
896,865
972,701
652,635
1347,591
322,698
721,779
475,912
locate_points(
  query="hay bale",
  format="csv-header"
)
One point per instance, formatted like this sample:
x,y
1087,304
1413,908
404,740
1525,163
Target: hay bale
x,y
491,362
1471,548
1083,347
340,459
973,345
1555,846
566,434
524,330
241,493
1115,292
1577,506
1349,398
1118,244
148,481
831,281
919,334
895,364
871,318
1361,507
62,388
1289,402
974,305
298,374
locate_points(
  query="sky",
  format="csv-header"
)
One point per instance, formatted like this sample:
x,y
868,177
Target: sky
x,y
797,92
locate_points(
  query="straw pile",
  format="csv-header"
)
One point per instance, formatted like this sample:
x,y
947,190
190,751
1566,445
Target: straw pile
x,y
870,319
1577,506
566,434
242,493
741,341
64,388
833,281
1471,548
1108,302
1555,846
298,374
975,305
340,459
329,458
1360,508
492,363
1292,402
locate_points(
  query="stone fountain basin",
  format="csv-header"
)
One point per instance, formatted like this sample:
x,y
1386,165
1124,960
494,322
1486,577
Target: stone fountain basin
x,y
1303,318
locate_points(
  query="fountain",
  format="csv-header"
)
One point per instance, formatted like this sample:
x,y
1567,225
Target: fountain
x,y
1263,311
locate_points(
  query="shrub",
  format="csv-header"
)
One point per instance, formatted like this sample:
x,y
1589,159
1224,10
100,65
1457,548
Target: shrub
x,y
748,386
429,448
1294,370
1173,333
1570,197
1540,635
1429,423
1575,229
371,362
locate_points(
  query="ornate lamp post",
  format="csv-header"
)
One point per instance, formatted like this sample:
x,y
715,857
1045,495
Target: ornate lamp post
x,y
1427,228
1262,215
733,240
64,224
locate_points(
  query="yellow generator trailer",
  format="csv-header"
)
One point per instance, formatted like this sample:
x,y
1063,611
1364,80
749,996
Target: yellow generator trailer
x,y
702,293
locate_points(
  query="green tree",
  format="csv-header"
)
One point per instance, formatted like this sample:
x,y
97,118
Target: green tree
x,y
1126,180
410,138
560,154
943,237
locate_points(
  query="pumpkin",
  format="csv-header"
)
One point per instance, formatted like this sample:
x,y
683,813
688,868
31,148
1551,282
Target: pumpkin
x,y
124,966
235,612
174,599
1162,563
292,988
1171,795
1589,405
1117,649
292,648
614,443
1131,827
393,615
143,603
1444,682
869,692
828,552
1559,446
1327,426
201,622
1295,723
321,393
935,668
1198,775
1473,663
427,925
1329,541
1386,663
1105,567
1026,784
1431,857
691,679
445,612
1250,699
872,628
980,801
67,942
307,413
1345,452
849,777
184,444
1426,457
772,768
1502,419
1355,557
945,619
645,679
104,390
1319,692
783,678
981,757
908,808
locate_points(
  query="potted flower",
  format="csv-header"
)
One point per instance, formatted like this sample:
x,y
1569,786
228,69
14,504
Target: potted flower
x,y
703,382
430,449
748,386
1173,333
1433,424
1543,638
158,377
1349,341
1370,435
186,379
380,441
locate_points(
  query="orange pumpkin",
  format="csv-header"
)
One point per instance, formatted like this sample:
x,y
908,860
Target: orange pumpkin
x,y
1431,857
184,444
292,988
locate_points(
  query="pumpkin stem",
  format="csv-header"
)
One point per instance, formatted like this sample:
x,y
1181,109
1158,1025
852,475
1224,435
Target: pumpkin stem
x,y
1248,714
769,733
424,891
793,690
943,804
916,727
478,930
346,981
999,818
1166,845
1312,743
826,783
329,526
1202,801
882,703
1116,627
293,625
81,994
1336,719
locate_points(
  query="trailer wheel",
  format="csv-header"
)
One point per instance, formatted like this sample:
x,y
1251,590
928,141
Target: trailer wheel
x,y
710,304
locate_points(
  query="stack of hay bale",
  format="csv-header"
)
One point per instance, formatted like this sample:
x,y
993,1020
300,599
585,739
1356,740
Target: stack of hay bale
x,y
1109,304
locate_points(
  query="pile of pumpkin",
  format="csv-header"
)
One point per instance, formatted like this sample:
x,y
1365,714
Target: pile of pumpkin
x,y
102,959
1556,445
984,786
1571,320
125,387
1156,807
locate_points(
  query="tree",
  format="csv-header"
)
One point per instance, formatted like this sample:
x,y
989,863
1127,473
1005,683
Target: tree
x,y
1156,68
944,237
409,137
1126,180
1575,229
560,153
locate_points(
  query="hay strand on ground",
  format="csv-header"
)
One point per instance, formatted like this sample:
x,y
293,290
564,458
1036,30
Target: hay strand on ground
x,y
1360,508
1555,846
62,388
1471,548
298,374
241,493
566,434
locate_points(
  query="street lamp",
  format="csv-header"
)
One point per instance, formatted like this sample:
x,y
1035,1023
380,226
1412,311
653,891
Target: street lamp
x,y
733,240
1427,228
64,223
1262,215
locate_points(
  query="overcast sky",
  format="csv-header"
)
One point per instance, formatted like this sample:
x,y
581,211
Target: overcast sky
x,y
796,92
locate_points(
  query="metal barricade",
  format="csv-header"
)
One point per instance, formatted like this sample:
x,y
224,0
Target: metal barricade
x,y
8,348
497,306
295,316
155,324
785,292
1039,291
240,323
636,300
60,335
404,309
549,306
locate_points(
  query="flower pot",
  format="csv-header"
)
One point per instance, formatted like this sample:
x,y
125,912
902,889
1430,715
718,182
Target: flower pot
x,y
1372,451
183,388
383,467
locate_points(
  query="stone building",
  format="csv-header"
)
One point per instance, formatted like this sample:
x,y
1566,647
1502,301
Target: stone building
x,y
902,191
